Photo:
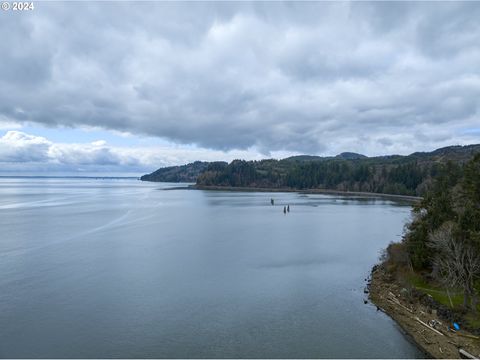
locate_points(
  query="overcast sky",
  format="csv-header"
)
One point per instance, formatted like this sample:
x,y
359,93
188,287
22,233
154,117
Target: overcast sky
x,y
129,87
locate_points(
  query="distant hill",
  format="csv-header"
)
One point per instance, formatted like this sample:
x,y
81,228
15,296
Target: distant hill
x,y
392,174
305,158
350,156
452,153
183,173
344,155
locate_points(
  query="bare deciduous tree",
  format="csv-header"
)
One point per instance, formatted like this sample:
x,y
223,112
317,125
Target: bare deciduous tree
x,y
457,263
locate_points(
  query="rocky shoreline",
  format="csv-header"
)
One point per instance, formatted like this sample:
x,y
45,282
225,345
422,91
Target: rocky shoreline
x,y
416,317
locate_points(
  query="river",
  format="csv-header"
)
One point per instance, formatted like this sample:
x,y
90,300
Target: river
x,y
102,268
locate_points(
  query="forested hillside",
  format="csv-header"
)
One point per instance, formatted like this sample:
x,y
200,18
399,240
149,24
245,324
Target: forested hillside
x,y
395,174
403,175
440,251
184,173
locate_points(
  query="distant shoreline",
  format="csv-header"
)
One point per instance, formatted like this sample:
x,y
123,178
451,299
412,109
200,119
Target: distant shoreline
x,y
308,191
67,177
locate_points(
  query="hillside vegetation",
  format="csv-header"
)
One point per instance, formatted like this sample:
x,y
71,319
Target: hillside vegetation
x,y
184,173
402,175
440,251
395,174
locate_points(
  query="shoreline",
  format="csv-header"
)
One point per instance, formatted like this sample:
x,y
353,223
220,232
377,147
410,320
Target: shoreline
x,y
307,191
412,315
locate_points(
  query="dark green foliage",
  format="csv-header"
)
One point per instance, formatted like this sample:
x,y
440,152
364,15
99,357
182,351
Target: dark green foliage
x,y
184,173
401,175
469,217
243,173
416,244
402,178
409,175
436,208
395,174
453,201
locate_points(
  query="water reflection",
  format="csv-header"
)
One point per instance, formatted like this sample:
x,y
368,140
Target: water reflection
x,y
117,268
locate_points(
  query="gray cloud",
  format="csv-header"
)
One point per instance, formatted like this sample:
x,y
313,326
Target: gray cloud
x,y
17,147
21,152
301,77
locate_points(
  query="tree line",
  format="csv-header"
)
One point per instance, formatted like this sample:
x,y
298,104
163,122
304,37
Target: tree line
x,y
443,238
403,177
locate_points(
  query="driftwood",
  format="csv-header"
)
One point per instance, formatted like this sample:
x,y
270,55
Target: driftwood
x,y
395,301
428,326
468,336
466,355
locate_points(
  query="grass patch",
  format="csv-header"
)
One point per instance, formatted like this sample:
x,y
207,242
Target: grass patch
x,y
438,293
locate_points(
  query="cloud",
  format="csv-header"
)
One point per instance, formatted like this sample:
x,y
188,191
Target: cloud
x,y
19,147
21,152
297,77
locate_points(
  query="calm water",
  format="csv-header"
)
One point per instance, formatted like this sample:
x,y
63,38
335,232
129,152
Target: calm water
x,y
121,268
